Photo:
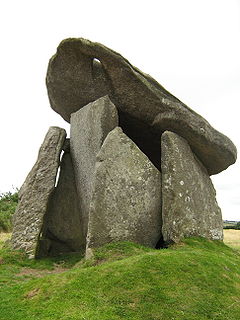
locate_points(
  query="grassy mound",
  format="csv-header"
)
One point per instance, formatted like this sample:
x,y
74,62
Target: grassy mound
x,y
197,279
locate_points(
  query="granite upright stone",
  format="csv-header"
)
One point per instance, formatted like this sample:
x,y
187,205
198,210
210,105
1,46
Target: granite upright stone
x,y
188,195
126,199
89,128
35,193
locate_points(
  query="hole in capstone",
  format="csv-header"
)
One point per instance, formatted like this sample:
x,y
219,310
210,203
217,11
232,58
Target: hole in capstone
x,y
96,60
59,168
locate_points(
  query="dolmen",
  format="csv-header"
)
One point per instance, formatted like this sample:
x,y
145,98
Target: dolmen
x,y
136,168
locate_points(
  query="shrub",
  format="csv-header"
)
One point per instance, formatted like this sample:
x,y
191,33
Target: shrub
x,y
233,226
8,204
237,227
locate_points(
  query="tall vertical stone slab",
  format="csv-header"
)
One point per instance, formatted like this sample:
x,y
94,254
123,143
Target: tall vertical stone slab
x,y
189,198
126,200
62,229
89,128
35,192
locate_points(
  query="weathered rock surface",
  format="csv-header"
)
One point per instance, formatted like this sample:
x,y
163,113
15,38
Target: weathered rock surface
x,y
62,227
89,128
35,192
189,203
126,200
83,71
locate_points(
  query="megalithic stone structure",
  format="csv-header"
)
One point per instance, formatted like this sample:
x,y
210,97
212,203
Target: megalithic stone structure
x,y
137,167
35,193
126,195
188,196
82,71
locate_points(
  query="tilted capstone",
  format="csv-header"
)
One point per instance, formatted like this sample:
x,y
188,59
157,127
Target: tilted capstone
x,y
82,71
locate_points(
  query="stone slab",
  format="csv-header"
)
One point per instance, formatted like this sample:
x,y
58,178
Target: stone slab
x,y
35,192
126,200
189,198
89,128
62,225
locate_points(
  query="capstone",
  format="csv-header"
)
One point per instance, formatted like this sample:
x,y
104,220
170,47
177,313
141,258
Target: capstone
x,y
82,71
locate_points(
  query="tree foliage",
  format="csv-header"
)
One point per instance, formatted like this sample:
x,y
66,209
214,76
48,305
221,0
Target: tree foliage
x,y
8,204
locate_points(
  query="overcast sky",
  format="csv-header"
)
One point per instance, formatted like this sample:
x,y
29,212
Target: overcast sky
x,y
191,47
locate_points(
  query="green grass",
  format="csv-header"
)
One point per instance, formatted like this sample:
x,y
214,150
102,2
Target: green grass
x,y
8,204
198,279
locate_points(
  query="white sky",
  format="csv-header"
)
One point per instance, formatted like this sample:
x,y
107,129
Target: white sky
x,y
191,47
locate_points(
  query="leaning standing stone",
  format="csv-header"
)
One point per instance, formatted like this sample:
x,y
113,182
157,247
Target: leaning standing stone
x,y
89,128
126,201
35,193
189,198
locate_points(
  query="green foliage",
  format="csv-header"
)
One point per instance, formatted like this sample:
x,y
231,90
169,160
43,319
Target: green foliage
x,y
8,204
235,226
229,227
195,280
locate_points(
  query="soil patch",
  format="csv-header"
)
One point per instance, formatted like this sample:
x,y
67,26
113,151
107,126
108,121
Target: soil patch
x,y
36,273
